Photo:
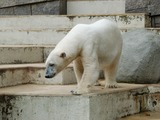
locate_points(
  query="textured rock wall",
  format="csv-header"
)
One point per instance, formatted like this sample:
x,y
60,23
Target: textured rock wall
x,y
32,7
140,60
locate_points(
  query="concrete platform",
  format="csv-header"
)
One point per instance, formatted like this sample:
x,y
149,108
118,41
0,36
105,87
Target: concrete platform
x,y
55,102
61,90
15,74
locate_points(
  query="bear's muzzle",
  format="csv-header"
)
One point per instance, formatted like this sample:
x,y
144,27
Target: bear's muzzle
x,y
50,72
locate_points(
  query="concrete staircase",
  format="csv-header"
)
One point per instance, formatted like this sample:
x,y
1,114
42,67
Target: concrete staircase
x,y
26,95
46,30
25,64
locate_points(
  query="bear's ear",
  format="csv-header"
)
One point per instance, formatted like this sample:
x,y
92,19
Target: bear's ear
x,y
63,55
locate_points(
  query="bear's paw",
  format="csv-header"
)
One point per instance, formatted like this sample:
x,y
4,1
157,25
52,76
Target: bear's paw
x,y
111,85
79,91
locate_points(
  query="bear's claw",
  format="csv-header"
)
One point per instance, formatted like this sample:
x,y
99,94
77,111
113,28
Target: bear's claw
x,y
74,92
113,85
79,91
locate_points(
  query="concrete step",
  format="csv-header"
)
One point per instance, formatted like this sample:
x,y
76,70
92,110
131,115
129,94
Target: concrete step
x,y
55,102
18,54
14,74
32,37
36,22
95,6
46,30
156,30
42,37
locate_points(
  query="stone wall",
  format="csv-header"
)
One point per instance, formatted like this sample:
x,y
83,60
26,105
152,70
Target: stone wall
x,y
147,6
33,7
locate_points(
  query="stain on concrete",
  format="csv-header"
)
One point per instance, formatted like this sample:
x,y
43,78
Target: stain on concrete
x,y
7,104
17,62
71,17
154,103
2,76
125,19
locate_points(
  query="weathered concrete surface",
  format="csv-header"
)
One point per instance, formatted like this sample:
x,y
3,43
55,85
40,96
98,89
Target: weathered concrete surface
x,y
21,10
140,62
13,76
33,7
153,106
51,29
139,6
155,30
46,8
42,37
39,102
36,75
19,54
32,37
38,22
144,116
154,98
16,74
9,3
95,7
7,11
143,6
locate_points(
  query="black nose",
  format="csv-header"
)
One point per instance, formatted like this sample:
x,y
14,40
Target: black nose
x,y
47,76
50,76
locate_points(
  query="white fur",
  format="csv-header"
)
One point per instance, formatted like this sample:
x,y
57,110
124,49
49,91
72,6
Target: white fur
x,y
93,47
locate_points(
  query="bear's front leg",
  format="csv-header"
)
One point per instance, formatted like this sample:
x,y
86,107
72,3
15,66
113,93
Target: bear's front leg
x,y
89,77
90,64
78,69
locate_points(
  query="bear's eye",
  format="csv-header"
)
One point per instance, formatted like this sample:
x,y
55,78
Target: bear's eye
x,y
51,64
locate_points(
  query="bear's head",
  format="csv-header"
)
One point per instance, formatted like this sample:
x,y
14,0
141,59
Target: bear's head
x,y
55,63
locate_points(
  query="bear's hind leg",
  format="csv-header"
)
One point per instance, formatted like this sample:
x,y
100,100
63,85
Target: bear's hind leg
x,y
78,69
110,76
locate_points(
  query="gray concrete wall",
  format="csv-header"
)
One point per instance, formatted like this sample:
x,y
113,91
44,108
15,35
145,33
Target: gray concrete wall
x,y
95,7
147,6
32,7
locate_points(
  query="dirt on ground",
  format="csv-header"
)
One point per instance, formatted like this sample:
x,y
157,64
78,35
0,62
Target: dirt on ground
x,y
144,116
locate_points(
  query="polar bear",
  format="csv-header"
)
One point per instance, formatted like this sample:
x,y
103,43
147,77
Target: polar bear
x,y
91,47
